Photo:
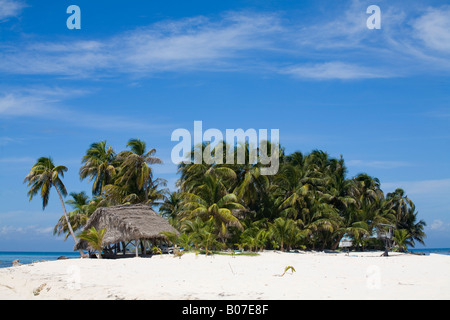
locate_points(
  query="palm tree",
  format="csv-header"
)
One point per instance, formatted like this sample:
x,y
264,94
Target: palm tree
x,y
192,228
401,239
356,230
250,183
95,239
337,190
285,232
172,206
98,165
42,177
193,173
406,216
78,217
135,165
293,188
212,202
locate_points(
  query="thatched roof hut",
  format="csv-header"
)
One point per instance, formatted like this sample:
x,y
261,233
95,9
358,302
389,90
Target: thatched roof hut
x,y
127,223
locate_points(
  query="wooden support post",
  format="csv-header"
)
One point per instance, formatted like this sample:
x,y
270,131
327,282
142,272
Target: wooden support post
x,y
142,248
137,246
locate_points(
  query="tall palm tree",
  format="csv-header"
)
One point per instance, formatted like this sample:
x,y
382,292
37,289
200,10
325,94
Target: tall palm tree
x,y
292,187
406,216
337,190
42,177
135,165
98,165
193,173
250,183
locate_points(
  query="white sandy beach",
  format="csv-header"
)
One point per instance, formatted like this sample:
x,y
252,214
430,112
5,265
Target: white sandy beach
x,y
361,275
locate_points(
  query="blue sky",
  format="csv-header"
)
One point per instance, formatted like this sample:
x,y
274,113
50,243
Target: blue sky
x,y
311,69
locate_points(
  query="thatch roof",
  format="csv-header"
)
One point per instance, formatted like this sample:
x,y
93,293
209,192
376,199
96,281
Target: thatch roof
x,y
127,223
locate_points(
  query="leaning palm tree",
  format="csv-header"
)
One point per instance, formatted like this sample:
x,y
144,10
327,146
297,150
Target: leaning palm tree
x,y
42,177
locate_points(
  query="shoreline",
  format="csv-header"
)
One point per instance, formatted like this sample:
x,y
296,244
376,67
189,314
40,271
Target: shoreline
x,y
318,275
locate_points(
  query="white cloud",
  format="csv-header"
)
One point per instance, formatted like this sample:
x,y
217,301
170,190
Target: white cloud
x,y
53,103
195,41
10,8
439,225
186,44
6,140
439,188
335,46
7,230
35,101
19,105
433,28
334,70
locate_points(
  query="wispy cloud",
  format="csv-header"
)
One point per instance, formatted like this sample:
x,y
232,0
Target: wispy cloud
x,y
40,101
55,103
186,44
334,70
10,8
433,28
7,230
6,140
413,39
438,188
439,225
19,105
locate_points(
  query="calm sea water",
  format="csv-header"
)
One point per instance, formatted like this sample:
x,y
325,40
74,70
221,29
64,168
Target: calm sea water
x,y
7,257
445,251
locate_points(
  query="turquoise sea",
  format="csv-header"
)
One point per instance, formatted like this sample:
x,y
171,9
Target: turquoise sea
x,y
7,257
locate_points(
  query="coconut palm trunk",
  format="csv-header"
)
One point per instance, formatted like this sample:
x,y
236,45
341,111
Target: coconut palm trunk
x,y
42,177
69,226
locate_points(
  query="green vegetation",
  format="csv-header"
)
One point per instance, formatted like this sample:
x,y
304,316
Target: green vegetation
x,y
95,238
287,269
310,203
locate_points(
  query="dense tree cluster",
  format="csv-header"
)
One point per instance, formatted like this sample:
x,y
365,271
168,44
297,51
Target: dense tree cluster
x,y
310,203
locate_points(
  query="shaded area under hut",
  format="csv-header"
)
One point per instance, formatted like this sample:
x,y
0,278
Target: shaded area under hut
x,y
138,225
